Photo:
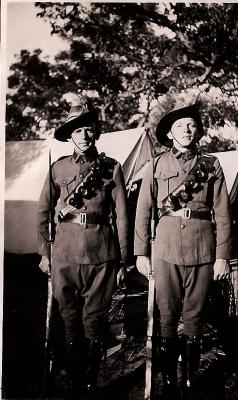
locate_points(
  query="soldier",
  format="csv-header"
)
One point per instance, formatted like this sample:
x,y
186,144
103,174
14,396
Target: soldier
x,y
90,241
193,231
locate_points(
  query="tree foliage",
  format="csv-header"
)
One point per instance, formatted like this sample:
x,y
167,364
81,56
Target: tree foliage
x,y
135,59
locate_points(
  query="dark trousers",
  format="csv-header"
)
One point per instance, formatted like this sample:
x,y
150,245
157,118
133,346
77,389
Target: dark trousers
x,y
84,295
181,289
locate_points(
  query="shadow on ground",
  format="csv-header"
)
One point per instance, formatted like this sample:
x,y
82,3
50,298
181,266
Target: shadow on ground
x,y
122,376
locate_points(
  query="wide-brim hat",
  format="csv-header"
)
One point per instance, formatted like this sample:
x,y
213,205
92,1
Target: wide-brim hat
x,y
81,114
180,111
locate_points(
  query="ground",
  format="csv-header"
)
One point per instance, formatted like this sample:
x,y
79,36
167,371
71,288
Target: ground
x,y
122,375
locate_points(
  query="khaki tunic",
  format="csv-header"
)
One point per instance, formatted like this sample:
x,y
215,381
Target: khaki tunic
x,y
184,241
92,244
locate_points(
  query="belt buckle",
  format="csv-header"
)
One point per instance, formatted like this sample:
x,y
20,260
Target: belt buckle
x,y
186,213
82,218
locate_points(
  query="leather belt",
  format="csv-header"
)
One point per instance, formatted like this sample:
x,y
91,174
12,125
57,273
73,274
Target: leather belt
x,y
187,213
84,219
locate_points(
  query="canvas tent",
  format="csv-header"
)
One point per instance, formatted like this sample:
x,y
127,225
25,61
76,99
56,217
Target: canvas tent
x,y
27,164
229,163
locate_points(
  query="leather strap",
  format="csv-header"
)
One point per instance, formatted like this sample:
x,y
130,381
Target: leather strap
x,y
84,218
187,213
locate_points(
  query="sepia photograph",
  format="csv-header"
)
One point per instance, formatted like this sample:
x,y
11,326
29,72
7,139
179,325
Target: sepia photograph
x,y
120,243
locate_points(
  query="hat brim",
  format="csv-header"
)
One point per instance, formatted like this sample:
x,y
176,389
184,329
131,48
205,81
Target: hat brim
x,y
63,133
167,121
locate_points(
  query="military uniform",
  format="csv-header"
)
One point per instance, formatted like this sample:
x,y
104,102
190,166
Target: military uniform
x,y
87,191
188,192
80,250
182,243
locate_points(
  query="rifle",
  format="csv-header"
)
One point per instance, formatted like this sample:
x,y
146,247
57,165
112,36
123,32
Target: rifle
x,y
150,306
48,361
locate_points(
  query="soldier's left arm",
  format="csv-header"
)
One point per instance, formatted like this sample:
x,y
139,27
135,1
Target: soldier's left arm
x,y
222,214
120,204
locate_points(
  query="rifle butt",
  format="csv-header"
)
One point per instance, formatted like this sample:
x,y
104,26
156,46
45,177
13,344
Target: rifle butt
x,y
148,370
47,383
149,341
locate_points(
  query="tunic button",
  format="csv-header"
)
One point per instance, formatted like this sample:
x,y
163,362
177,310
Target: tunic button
x,y
81,175
182,226
184,171
84,208
184,205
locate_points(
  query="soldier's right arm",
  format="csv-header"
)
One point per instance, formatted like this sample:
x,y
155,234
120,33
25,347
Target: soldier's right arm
x,y
143,215
46,211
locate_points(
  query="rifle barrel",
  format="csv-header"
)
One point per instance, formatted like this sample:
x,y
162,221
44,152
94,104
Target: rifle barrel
x,y
151,300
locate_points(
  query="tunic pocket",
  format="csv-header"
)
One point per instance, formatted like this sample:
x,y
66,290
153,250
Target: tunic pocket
x,y
67,185
167,181
169,175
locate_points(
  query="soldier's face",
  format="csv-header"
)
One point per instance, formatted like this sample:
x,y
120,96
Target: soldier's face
x,y
83,138
183,132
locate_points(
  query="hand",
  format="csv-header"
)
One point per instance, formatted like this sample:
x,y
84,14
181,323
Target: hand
x,y
221,269
143,265
121,276
45,265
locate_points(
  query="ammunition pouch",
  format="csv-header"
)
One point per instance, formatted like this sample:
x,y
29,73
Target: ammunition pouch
x,y
93,181
201,173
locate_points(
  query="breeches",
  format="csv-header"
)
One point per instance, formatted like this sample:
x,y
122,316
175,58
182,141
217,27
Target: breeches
x,y
84,295
181,290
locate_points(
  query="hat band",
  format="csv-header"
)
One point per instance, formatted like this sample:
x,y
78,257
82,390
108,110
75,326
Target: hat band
x,y
73,116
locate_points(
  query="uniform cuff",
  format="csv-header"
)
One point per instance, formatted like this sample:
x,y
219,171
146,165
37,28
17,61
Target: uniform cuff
x,y
224,254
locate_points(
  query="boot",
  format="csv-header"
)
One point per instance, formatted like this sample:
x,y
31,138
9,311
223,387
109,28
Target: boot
x,y
71,369
75,358
169,359
95,350
190,361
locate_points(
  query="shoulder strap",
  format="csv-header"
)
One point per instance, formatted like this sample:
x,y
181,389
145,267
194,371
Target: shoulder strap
x,y
155,160
154,194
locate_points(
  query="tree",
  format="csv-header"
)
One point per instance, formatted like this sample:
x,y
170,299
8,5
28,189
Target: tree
x,y
134,59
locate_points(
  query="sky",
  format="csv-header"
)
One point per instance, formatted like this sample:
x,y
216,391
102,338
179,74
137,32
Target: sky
x,y
28,32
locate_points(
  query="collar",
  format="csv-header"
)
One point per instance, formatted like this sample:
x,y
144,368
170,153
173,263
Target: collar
x,y
189,154
88,156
